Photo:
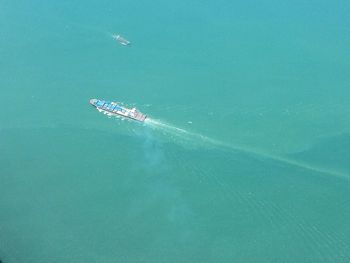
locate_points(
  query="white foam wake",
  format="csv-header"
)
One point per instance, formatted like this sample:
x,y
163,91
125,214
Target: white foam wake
x,y
201,140
182,134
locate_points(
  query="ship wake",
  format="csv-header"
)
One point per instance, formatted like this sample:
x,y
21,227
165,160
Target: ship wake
x,y
183,136
192,139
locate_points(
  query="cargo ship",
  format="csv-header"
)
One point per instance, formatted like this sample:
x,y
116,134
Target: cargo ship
x,y
115,108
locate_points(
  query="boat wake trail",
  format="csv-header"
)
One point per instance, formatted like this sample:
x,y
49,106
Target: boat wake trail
x,y
195,139
181,135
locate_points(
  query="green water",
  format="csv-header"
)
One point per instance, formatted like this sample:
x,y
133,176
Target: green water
x,y
245,157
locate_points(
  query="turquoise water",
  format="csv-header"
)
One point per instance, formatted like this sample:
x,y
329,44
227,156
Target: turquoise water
x,y
245,157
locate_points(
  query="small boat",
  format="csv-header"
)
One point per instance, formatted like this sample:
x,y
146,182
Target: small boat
x,y
115,108
121,40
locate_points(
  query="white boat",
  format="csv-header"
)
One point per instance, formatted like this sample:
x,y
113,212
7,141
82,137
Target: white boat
x,y
121,40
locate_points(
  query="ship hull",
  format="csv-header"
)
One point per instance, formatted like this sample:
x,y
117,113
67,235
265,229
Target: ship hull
x,y
116,109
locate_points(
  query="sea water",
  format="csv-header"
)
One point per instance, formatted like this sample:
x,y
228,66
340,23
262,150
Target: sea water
x,y
244,156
